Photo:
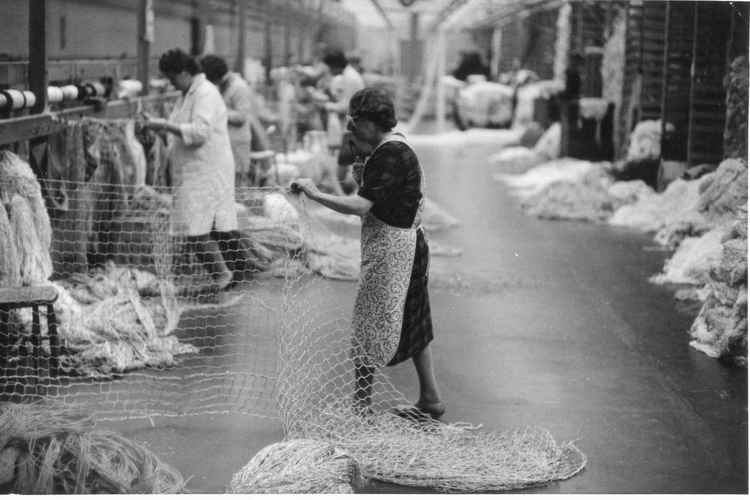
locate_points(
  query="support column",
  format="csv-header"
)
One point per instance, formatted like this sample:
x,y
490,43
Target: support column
x,y
440,105
413,59
38,53
267,45
287,37
239,64
145,38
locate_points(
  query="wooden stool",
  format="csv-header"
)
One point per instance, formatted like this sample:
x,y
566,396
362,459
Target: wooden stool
x,y
30,364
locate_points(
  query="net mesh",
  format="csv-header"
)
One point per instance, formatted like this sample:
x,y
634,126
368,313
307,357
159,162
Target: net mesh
x,y
148,322
320,398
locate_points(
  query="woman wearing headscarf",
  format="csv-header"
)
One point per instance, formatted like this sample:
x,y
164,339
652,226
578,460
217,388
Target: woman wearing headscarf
x,y
391,321
202,166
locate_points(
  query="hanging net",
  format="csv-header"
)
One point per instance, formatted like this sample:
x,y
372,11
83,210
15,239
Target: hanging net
x,y
145,325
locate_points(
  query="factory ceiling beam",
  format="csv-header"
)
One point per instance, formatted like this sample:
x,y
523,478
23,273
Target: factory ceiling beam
x,y
510,9
445,13
383,14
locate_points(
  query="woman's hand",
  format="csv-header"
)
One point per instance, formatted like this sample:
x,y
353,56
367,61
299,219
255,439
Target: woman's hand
x,y
156,123
306,186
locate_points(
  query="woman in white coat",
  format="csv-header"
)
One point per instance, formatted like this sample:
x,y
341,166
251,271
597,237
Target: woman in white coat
x,y
203,168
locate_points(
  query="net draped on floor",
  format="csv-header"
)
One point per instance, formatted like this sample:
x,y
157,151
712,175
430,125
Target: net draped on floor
x,y
140,339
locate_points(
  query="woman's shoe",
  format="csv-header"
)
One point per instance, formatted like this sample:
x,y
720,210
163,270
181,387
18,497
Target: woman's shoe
x,y
435,410
419,414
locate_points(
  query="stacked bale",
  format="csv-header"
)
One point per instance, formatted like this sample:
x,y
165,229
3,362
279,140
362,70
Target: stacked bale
x,y
735,129
720,330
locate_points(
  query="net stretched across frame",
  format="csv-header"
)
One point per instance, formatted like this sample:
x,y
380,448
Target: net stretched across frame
x,y
146,328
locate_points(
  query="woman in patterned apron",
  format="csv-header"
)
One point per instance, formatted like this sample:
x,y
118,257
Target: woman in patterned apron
x,y
202,164
392,320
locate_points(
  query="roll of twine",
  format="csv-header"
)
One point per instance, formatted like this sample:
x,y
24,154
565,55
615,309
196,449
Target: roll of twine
x,y
29,99
54,95
3,101
99,89
90,90
16,98
69,92
129,88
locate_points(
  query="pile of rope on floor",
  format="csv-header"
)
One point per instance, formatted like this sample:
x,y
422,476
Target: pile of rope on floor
x,y
50,450
317,401
111,320
696,218
298,466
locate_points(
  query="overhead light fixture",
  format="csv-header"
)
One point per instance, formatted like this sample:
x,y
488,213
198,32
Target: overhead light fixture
x,y
407,3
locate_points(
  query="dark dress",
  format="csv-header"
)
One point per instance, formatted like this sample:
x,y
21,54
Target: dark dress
x,y
392,181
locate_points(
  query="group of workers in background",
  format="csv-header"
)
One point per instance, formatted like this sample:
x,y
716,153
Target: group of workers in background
x,y
211,134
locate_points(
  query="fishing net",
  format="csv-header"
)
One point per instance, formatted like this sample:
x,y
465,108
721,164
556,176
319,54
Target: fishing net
x,y
148,326
319,398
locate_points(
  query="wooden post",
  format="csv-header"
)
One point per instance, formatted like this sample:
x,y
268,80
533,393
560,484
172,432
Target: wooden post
x,y
198,29
730,39
665,76
145,38
38,53
440,105
287,37
640,67
413,62
691,91
301,42
239,64
268,48
579,27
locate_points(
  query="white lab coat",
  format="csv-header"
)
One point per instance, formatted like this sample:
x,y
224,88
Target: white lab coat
x,y
202,162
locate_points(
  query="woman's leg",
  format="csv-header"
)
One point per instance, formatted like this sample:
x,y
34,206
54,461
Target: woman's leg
x,y
207,252
234,253
363,375
429,395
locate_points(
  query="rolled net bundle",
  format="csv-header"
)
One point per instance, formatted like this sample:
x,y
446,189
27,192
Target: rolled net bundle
x,y
298,466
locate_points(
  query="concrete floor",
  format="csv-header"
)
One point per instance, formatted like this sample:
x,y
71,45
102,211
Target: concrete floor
x,y
555,326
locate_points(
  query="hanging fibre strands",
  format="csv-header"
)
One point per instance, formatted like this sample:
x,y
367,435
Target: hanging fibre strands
x,y
35,265
9,275
28,218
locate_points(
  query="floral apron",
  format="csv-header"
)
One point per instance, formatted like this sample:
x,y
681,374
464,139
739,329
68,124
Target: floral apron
x,y
386,266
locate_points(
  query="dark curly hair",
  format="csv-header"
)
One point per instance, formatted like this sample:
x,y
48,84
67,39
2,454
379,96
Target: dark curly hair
x,y
374,104
335,59
214,67
176,61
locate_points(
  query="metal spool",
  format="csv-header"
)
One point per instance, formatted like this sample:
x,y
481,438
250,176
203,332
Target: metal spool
x,y
29,99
